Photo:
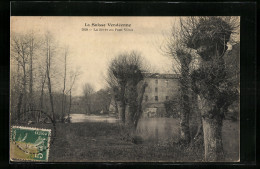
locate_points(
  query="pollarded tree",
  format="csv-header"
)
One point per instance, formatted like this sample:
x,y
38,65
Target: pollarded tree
x,y
124,75
209,37
117,81
183,64
135,89
205,39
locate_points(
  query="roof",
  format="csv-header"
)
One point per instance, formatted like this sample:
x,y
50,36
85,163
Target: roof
x,y
161,76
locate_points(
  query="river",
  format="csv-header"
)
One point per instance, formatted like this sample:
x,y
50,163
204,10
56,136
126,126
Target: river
x,y
81,118
147,127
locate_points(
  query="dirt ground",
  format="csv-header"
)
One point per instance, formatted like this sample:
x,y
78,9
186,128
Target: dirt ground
x,y
102,142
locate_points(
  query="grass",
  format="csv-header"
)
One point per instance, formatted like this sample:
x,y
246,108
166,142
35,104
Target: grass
x,y
102,142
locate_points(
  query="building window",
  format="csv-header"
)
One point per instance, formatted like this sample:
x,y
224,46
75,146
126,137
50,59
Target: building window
x,y
156,89
167,97
156,81
167,82
146,98
156,98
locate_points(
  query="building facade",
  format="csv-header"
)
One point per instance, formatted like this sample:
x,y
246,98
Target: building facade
x,y
160,88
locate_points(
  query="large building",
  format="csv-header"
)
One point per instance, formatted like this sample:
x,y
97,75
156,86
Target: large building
x,y
160,88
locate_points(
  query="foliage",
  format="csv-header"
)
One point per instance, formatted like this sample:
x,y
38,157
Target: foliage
x,y
210,38
34,71
172,107
101,101
88,91
124,74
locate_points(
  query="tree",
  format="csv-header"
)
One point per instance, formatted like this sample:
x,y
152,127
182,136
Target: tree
x,y
73,76
29,82
117,80
185,84
34,43
203,42
49,54
125,78
101,100
183,64
88,90
209,37
19,49
133,92
64,85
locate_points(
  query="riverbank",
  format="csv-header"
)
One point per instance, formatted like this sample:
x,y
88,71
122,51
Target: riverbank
x,y
100,141
95,142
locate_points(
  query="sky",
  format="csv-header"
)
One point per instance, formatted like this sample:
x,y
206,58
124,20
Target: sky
x,y
91,51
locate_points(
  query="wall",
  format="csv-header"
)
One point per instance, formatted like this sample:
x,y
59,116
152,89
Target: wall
x,y
163,90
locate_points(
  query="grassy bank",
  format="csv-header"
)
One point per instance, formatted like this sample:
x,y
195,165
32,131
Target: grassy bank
x,y
89,142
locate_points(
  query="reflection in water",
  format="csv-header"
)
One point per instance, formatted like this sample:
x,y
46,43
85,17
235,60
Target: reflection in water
x,y
148,128
158,128
81,118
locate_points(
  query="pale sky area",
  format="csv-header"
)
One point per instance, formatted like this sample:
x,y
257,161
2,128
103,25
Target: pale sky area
x,y
91,51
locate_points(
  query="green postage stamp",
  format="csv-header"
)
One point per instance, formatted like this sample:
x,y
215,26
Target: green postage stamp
x,y
29,144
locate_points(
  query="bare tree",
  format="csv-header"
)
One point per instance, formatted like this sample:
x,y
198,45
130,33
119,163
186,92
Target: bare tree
x,y
42,94
73,77
183,64
64,85
34,43
19,49
124,75
205,39
117,81
88,90
209,37
133,98
49,55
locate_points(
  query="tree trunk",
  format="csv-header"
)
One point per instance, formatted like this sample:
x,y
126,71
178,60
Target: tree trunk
x,y
64,87
49,81
41,98
196,110
69,108
139,104
132,105
24,88
121,103
19,106
184,127
212,130
129,120
185,116
128,115
31,74
185,84
121,110
131,108
51,98
62,108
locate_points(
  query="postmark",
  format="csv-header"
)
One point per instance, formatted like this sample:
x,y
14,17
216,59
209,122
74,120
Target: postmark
x,y
29,144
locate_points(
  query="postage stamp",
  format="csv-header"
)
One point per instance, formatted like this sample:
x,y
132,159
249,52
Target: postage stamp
x,y
29,144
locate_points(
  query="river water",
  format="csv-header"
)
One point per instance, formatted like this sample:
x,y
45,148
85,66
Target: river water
x,y
81,118
147,127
